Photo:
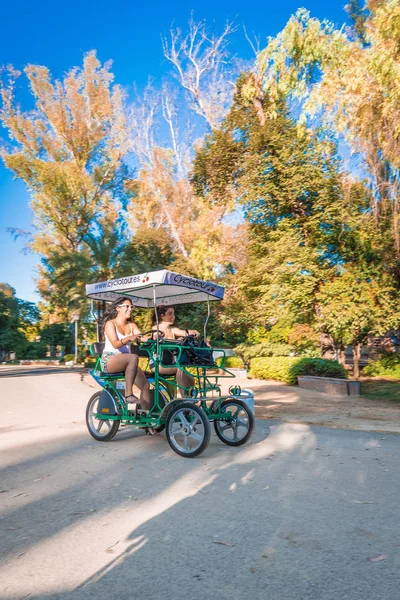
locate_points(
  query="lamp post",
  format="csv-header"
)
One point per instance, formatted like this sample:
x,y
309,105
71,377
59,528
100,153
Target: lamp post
x,y
75,319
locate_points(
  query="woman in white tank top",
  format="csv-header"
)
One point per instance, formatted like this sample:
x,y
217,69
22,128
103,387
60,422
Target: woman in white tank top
x,y
119,333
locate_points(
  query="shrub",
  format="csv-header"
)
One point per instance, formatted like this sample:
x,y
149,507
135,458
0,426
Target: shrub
x,y
232,362
246,353
68,357
89,364
289,368
35,350
385,366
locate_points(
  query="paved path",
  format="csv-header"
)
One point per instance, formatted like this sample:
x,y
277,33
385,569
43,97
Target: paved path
x,y
299,513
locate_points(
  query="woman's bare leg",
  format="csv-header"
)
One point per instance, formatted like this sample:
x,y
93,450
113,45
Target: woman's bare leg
x,y
184,381
124,362
143,385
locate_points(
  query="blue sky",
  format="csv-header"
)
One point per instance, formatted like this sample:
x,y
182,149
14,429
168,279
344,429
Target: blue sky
x,y
58,34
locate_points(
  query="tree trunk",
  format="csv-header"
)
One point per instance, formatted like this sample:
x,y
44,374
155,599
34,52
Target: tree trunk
x,y
356,359
342,356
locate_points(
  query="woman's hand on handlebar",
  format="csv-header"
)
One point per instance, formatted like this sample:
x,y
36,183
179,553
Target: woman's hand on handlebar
x,y
135,338
151,333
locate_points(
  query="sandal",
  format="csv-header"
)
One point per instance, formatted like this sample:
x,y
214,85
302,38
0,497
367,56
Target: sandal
x,y
131,399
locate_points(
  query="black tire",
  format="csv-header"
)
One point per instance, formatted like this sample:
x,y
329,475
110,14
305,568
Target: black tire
x,y
182,416
221,425
111,427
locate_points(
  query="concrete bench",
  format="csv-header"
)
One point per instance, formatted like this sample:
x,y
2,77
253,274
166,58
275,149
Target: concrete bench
x,y
329,385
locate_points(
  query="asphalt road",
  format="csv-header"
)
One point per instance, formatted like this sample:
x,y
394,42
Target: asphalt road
x,y
298,513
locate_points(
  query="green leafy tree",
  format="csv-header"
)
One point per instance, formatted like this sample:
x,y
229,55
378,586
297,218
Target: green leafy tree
x,y
56,334
17,320
68,150
354,305
348,79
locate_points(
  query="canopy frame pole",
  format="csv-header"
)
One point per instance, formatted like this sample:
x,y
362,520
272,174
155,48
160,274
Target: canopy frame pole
x,y
208,316
96,318
156,313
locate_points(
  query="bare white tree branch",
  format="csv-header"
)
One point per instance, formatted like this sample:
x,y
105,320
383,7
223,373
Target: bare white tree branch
x,y
202,66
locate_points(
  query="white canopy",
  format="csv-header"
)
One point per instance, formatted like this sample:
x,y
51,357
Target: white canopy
x,y
170,288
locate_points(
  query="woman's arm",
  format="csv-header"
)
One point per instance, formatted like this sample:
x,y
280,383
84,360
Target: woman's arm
x,y
183,332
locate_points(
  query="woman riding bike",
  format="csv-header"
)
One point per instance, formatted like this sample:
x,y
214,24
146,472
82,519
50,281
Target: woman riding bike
x,y
166,320
119,332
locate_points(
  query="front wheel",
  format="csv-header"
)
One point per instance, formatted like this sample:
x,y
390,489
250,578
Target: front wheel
x,y
102,430
236,429
188,430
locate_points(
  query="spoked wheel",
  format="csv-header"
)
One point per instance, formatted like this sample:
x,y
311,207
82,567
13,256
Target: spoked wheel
x,y
101,429
236,429
188,430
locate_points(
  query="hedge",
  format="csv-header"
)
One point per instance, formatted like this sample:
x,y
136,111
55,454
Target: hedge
x,y
385,366
231,362
289,368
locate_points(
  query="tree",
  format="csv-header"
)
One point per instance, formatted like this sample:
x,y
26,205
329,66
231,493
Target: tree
x,y
163,198
149,250
349,80
202,68
354,305
17,318
56,334
69,150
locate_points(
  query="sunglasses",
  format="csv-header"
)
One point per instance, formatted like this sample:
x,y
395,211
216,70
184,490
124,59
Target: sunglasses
x,y
125,306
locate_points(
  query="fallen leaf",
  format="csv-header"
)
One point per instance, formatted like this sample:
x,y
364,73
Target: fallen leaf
x,y
266,488
378,558
223,543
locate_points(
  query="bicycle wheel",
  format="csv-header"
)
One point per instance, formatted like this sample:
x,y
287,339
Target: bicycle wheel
x,y
102,430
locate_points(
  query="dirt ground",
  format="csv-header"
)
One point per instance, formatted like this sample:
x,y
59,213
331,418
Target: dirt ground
x,y
274,400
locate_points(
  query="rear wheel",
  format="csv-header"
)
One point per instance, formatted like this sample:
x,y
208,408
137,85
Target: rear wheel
x,y
236,429
103,430
187,430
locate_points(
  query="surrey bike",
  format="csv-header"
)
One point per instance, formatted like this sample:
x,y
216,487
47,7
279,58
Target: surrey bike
x,y
186,420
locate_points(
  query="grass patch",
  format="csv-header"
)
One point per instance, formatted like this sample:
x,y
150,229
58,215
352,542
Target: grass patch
x,y
381,389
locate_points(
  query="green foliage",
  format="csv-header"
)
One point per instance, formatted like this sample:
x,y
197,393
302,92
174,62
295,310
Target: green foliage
x,y
304,338
15,316
279,333
288,369
35,351
89,364
247,353
56,334
385,366
357,303
68,357
149,250
231,362
256,335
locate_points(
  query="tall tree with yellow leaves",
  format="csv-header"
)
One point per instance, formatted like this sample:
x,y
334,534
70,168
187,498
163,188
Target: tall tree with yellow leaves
x,y
69,149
